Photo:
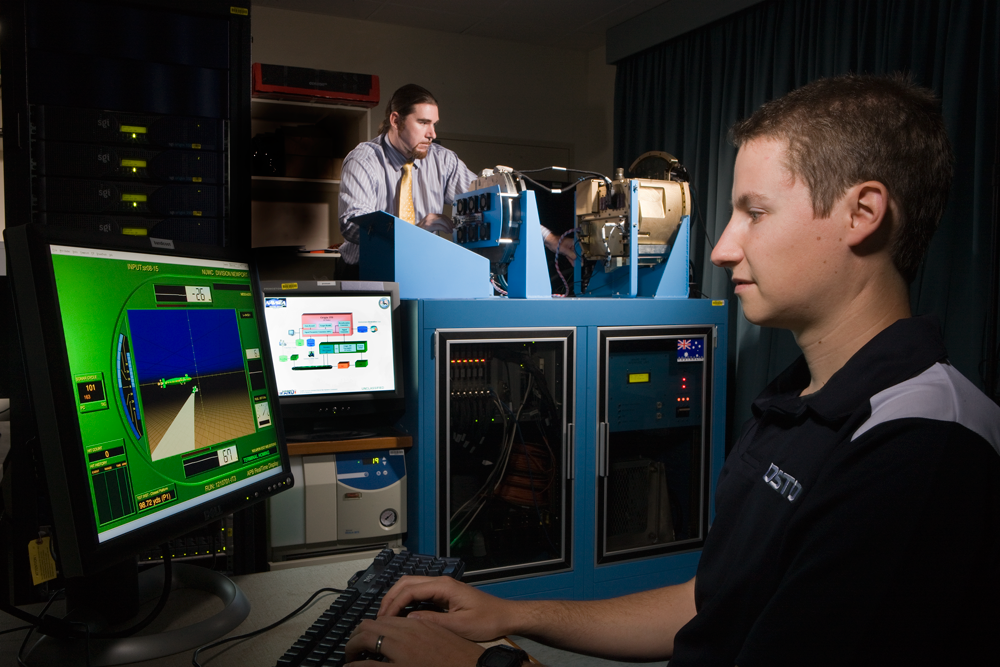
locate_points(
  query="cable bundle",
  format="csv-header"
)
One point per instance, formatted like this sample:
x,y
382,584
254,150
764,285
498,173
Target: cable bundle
x,y
529,476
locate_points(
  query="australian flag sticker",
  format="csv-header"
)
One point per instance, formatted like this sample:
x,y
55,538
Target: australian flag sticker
x,y
691,349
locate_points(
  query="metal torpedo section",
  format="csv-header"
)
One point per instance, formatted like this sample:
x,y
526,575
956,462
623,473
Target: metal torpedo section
x,y
496,221
604,219
634,232
487,219
636,223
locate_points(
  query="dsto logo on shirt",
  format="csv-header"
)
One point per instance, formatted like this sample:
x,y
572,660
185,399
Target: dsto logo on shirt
x,y
783,483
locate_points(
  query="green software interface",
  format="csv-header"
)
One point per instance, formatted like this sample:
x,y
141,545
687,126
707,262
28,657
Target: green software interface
x,y
171,397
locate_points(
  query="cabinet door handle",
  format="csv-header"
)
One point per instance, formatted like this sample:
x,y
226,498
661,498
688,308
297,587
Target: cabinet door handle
x,y
607,448
602,449
570,455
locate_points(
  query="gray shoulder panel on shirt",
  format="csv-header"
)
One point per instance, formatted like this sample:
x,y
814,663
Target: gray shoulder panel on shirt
x,y
940,393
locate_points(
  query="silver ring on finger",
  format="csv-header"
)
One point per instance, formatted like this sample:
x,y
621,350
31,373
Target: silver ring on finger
x,y
378,645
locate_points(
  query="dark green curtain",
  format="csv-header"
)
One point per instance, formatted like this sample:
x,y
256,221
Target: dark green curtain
x,y
683,95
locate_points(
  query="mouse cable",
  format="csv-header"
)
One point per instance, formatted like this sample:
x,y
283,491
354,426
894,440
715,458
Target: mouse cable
x,y
248,635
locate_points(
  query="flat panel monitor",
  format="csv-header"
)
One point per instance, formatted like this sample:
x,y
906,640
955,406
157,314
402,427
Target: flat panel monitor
x,y
150,385
335,346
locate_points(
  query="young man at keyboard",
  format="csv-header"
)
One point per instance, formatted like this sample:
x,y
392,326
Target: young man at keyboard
x,y
858,515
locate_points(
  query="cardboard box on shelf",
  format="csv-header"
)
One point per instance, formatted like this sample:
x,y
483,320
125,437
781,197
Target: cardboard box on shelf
x,y
313,166
290,224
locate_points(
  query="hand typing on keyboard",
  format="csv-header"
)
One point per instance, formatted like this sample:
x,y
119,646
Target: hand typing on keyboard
x,y
426,637
468,612
352,630
410,641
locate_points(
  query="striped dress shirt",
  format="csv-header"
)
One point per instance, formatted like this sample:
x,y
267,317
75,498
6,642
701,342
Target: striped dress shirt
x,y
370,182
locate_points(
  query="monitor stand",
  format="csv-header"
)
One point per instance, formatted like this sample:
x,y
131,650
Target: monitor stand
x,y
51,651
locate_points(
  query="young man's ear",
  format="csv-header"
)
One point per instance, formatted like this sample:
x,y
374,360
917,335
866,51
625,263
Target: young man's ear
x,y
870,214
394,119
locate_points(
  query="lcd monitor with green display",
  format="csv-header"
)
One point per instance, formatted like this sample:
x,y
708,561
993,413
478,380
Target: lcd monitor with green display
x,y
154,409
171,396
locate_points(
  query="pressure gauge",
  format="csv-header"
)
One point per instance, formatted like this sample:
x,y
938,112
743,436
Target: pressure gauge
x,y
387,518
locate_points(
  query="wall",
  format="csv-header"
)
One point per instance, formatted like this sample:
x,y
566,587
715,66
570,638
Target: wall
x,y
486,88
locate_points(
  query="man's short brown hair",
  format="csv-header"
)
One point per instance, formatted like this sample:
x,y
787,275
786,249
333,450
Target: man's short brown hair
x,y
850,129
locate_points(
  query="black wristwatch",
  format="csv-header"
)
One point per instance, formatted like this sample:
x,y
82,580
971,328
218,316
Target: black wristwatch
x,y
502,655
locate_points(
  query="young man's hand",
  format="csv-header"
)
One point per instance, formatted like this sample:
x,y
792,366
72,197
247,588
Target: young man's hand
x,y
468,612
410,641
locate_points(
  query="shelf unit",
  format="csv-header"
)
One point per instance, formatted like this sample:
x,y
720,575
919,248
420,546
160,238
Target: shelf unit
x,y
340,446
346,125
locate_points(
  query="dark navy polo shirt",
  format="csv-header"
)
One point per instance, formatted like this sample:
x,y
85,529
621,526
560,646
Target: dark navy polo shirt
x,y
858,525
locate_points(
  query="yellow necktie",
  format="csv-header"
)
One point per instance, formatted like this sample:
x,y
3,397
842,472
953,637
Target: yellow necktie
x,y
406,211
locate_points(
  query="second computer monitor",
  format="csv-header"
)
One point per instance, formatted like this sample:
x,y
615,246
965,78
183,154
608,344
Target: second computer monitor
x,y
336,350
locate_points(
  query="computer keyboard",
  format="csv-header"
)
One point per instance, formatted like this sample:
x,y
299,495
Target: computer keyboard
x,y
323,643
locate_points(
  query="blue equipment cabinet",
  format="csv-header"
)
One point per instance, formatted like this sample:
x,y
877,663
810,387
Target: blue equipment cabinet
x,y
565,447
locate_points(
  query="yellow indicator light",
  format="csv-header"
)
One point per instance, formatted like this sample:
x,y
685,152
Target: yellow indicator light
x,y
133,169
634,378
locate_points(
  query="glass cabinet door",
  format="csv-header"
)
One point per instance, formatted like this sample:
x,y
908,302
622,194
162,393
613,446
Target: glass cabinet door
x,y
504,460
653,440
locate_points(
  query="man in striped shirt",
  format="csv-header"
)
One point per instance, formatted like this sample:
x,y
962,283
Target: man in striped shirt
x,y
374,171
375,174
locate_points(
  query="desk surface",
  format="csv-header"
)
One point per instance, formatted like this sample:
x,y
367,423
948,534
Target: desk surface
x,y
271,594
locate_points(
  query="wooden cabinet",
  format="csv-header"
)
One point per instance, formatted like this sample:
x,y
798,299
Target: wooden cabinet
x,y
297,148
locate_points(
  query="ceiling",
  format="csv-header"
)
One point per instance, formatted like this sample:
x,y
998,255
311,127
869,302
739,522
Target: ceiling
x,y
569,24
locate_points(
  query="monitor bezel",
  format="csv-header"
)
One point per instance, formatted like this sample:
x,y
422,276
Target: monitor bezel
x,y
50,391
342,404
